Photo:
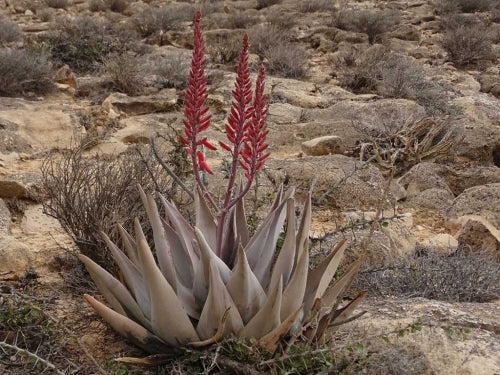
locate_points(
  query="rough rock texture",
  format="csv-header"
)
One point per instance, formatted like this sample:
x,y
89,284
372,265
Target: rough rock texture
x,y
5,217
480,200
452,338
329,144
120,104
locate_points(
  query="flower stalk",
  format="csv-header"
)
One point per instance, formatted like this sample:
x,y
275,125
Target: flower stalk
x,y
245,131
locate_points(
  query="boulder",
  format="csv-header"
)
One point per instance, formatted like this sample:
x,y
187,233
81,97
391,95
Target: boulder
x,y
442,242
22,186
478,234
438,200
482,201
422,177
490,83
14,255
329,144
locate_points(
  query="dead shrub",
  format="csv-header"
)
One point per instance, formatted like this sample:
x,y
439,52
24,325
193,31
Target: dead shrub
x,y
263,37
462,276
373,23
224,49
470,6
287,60
57,4
124,73
154,20
45,14
97,5
313,6
9,31
93,194
24,71
118,6
82,43
468,45
392,75
173,71
242,20
261,4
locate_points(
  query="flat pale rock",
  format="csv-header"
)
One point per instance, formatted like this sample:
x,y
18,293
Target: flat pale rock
x,y
442,242
329,144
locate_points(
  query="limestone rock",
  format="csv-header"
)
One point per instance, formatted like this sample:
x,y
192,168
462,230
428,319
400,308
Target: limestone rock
x,y
19,186
480,200
490,83
65,76
452,338
442,242
14,255
477,235
421,177
329,144
351,187
118,104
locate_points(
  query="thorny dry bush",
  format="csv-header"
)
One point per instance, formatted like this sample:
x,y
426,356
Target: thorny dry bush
x,y
155,20
124,72
391,75
93,194
401,143
463,276
468,44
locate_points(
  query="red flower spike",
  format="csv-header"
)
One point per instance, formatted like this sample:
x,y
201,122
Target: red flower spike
x,y
197,118
204,166
256,133
241,108
224,146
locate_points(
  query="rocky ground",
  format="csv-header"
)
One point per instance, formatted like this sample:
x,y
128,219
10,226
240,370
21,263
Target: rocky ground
x,y
422,151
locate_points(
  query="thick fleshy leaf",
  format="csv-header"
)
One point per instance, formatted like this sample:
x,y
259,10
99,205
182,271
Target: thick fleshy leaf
x,y
330,297
169,320
286,258
181,226
305,224
268,317
319,278
205,220
261,248
130,245
344,313
295,290
229,239
162,249
129,329
132,276
107,284
184,264
218,335
245,289
218,301
243,234
271,341
201,277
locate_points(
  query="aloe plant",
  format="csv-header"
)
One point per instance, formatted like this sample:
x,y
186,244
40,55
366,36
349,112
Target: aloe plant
x,y
214,280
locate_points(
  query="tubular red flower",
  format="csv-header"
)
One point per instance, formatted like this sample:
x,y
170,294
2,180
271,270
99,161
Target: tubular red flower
x,y
197,118
241,109
256,133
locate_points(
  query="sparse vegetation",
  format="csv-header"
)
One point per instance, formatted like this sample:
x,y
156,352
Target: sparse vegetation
x,y
261,4
125,73
287,60
57,4
9,31
155,20
468,45
224,49
88,195
23,71
465,276
82,43
469,6
173,71
374,23
45,14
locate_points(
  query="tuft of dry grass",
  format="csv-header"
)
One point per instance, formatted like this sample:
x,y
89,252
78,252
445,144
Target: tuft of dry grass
x,y
468,44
